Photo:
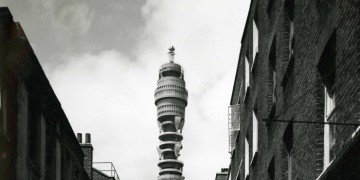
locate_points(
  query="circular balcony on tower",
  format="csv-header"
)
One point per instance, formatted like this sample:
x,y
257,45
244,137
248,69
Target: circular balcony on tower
x,y
168,145
170,163
168,126
170,136
168,154
170,171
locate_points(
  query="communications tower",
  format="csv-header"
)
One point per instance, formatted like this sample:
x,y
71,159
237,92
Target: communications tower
x,y
171,100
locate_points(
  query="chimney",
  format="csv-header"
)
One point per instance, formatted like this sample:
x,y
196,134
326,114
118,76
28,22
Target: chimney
x,y
88,152
87,138
79,137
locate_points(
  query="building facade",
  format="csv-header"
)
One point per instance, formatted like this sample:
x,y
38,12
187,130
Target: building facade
x,y
36,138
171,100
37,141
294,110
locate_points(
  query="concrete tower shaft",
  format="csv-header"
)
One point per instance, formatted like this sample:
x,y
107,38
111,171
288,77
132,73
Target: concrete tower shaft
x,y
171,100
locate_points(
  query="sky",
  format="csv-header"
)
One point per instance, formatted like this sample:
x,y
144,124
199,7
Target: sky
x,y
102,60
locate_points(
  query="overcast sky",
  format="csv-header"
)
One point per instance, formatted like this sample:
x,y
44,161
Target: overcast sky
x,y
102,60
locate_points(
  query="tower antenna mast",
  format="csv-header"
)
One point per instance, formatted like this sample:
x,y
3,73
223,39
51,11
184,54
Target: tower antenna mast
x,y
171,54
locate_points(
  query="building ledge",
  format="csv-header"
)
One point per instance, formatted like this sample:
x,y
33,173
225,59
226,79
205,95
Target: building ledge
x,y
346,164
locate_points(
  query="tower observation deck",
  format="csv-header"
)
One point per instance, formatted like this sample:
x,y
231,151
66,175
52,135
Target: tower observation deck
x,y
171,100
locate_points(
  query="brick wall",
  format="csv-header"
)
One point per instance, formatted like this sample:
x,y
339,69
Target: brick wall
x,y
301,96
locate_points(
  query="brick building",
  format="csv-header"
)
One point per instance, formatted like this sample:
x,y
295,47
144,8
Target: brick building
x,y
37,141
107,171
36,138
296,97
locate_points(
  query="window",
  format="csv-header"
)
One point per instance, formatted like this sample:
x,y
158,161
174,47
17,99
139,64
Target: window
x,y
33,133
327,70
255,42
247,73
271,169
247,162
255,134
288,142
326,145
329,103
272,70
289,7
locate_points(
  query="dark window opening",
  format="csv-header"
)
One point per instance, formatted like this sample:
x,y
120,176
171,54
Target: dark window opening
x,y
270,6
327,63
327,70
272,55
288,137
289,7
271,169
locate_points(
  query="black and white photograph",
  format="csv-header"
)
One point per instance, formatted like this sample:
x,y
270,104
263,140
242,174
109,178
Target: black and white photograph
x,y
179,89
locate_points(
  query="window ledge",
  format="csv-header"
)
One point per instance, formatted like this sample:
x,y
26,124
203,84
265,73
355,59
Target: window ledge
x,y
254,158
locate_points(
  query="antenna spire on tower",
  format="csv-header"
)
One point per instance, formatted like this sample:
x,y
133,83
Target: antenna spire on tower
x,y
171,54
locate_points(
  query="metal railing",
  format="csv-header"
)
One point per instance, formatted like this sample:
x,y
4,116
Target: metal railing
x,y
233,124
107,168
